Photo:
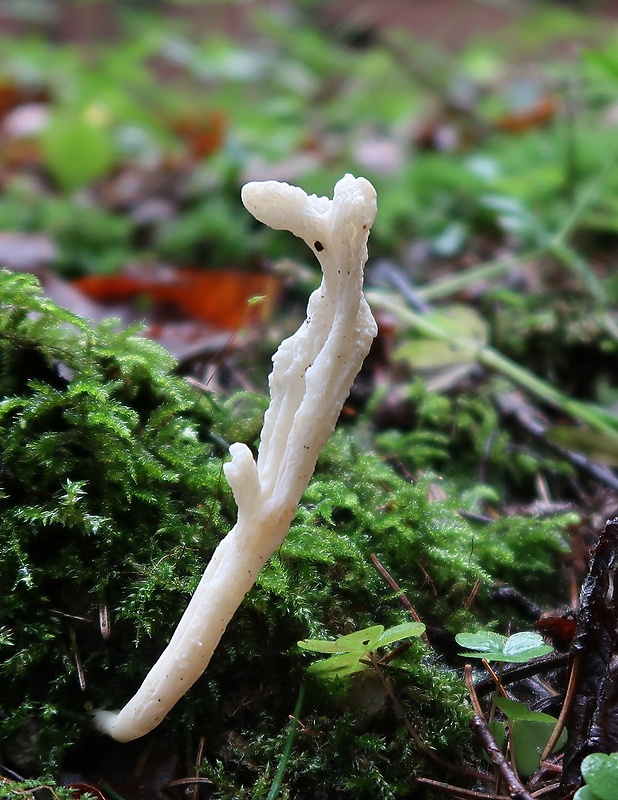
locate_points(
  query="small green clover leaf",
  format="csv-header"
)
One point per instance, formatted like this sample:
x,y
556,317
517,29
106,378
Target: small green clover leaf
x,y
348,652
530,732
516,649
600,771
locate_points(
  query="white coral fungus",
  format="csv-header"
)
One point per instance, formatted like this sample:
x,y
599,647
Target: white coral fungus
x,y
312,375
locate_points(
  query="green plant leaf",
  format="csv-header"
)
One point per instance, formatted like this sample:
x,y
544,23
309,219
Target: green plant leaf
x,y
349,651
530,732
605,62
428,355
358,642
498,731
319,646
516,649
451,240
466,328
76,149
521,647
529,740
585,793
598,446
404,631
484,641
515,710
600,771
338,666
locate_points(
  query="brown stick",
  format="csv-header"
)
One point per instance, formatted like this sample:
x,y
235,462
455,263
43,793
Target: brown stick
x,y
518,671
517,790
402,595
474,698
566,708
458,793
495,678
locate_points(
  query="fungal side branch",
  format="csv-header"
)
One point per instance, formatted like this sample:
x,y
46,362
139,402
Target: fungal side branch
x,y
312,374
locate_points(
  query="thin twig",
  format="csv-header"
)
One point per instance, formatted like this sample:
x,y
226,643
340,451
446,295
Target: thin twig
x,y
545,790
194,781
81,675
495,678
198,762
474,699
517,791
566,708
586,196
520,671
468,602
459,793
522,413
400,592
494,360
414,734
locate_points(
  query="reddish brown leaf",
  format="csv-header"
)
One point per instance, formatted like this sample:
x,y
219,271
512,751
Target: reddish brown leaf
x,y
113,288
536,116
12,95
560,628
203,133
220,298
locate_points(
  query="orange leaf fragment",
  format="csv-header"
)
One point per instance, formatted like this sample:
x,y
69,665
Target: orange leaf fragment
x,y
202,133
221,297
561,628
535,116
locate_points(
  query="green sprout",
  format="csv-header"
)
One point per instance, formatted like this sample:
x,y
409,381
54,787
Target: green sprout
x,y
351,653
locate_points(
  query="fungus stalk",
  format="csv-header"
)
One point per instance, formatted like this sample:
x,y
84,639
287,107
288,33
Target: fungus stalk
x,y
312,374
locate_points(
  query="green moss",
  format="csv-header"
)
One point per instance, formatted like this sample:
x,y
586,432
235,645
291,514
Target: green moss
x,y
109,498
88,238
214,232
112,500
462,438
